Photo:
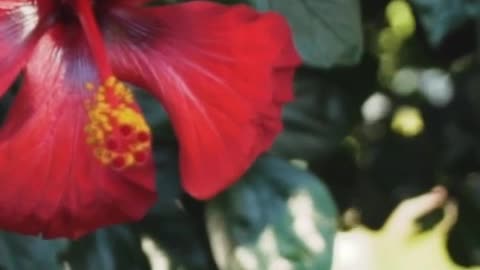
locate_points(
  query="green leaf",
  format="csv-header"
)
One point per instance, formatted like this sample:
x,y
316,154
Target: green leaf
x,y
278,216
317,121
181,238
168,180
170,224
115,248
439,17
18,252
327,33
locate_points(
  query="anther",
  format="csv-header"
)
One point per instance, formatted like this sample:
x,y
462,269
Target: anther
x,y
126,129
119,162
111,145
140,157
116,130
143,136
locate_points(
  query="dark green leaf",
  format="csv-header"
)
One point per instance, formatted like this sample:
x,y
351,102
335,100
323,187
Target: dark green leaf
x,y
327,33
317,121
439,17
277,216
168,180
115,248
18,252
174,227
180,236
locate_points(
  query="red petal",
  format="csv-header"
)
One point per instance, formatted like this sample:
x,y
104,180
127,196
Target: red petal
x,y
223,74
18,20
50,181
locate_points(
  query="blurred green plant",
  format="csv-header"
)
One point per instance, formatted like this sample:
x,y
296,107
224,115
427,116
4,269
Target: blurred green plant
x,y
277,217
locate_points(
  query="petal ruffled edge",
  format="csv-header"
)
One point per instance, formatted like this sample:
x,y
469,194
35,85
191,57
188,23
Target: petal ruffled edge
x,y
222,73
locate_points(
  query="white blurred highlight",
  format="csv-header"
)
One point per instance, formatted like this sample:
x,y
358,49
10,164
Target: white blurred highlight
x,y
280,263
246,258
27,15
302,209
353,251
376,107
268,242
437,86
157,257
405,81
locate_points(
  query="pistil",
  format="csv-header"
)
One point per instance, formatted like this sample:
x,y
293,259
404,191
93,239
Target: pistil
x,y
116,129
94,38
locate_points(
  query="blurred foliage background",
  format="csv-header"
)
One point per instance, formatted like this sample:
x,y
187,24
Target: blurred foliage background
x,y
387,108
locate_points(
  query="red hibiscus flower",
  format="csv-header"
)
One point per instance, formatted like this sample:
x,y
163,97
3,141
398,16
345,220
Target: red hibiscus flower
x,y
75,150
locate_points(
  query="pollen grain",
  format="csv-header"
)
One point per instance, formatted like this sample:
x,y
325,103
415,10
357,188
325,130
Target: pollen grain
x,y
116,129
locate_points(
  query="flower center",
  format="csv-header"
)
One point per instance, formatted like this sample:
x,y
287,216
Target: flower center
x,y
65,13
116,130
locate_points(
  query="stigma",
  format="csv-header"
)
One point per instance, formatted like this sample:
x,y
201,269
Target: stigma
x,y
116,128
